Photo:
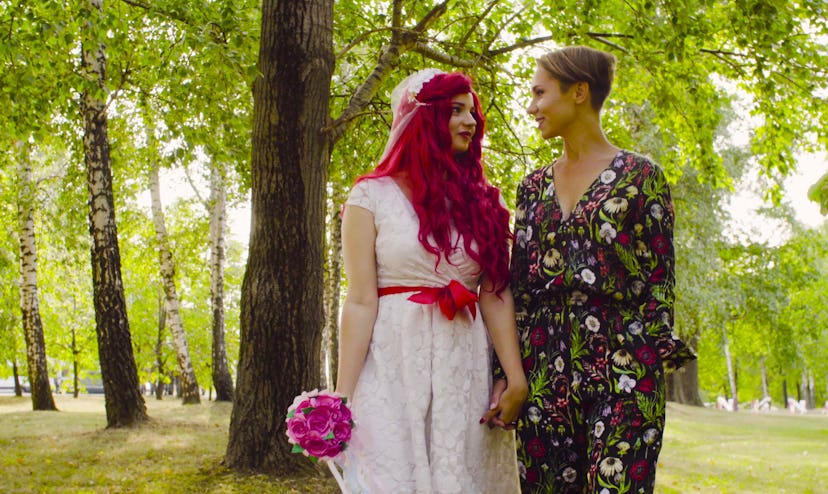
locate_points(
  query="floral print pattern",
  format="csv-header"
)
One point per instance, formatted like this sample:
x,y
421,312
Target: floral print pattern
x,y
594,302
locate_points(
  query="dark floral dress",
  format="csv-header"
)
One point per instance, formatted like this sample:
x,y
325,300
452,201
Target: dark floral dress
x,y
594,301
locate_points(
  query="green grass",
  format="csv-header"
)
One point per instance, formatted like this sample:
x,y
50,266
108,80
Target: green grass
x,y
706,451
710,451
179,452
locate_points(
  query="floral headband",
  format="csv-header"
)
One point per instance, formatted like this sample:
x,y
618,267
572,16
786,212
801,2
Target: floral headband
x,y
418,80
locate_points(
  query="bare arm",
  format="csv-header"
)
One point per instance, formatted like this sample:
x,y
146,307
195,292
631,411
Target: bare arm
x,y
499,315
359,311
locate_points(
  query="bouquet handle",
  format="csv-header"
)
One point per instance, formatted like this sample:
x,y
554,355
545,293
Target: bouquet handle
x,y
337,476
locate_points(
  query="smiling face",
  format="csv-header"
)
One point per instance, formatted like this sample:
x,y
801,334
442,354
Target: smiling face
x,y
462,124
552,108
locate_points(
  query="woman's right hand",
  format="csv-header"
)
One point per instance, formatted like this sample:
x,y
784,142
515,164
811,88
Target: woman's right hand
x,y
505,404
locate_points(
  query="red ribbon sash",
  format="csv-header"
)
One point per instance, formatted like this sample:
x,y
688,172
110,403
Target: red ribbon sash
x,y
451,298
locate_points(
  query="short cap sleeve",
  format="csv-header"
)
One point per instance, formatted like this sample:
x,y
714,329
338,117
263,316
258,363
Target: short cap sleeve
x,y
361,196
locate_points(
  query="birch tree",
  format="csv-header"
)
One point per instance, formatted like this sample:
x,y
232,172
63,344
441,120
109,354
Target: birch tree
x,y
189,383
41,390
124,403
218,211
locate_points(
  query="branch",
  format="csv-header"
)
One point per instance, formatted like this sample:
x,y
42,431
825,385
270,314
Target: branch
x,y
719,53
432,16
141,5
609,35
508,21
794,83
722,55
204,203
114,95
354,116
437,56
599,37
476,23
359,39
396,23
507,121
519,45
217,33
388,60
542,39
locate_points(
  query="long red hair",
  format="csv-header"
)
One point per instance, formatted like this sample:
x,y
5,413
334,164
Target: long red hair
x,y
447,188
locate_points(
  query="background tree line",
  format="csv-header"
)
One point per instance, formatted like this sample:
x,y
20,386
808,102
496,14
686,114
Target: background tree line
x,y
287,102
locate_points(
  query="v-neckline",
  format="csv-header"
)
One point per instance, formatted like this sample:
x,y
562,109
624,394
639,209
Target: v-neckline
x,y
402,195
568,216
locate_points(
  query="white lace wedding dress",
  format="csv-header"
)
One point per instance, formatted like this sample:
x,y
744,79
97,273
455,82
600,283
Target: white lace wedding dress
x,y
426,380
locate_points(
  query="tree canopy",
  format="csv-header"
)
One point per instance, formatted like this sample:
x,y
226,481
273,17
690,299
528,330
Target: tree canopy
x,y
695,79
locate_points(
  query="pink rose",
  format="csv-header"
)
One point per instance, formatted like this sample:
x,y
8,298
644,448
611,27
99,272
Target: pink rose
x,y
297,428
333,450
330,401
344,414
303,400
342,432
314,445
307,403
319,420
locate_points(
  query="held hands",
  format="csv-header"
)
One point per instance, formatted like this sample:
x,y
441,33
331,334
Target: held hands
x,y
506,403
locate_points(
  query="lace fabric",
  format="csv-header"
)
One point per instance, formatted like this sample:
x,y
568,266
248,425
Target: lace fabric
x,y
426,380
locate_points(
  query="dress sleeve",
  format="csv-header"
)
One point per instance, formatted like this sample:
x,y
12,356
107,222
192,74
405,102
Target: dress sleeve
x,y
654,228
361,196
518,268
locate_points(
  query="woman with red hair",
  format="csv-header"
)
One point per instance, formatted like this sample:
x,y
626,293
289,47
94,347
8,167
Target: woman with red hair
x,y
425,240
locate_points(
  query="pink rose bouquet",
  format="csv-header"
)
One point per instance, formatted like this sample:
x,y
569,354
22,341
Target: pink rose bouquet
x,y
319,424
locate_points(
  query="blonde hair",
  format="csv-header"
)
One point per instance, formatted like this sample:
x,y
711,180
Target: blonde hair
x,y
582,64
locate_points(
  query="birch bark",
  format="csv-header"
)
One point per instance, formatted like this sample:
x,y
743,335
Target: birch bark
x,y
189,384
124,403
41,390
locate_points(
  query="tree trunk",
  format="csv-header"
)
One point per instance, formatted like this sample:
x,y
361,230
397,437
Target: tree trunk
x,y
807,389
18,389
731,375
41,391
765,387
330,336
683,383
281,301
159,351
218,206
124,404
75,364
785,392
189,383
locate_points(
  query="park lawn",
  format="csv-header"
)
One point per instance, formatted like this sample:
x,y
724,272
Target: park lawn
x,y
179,452
706,451
711,451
